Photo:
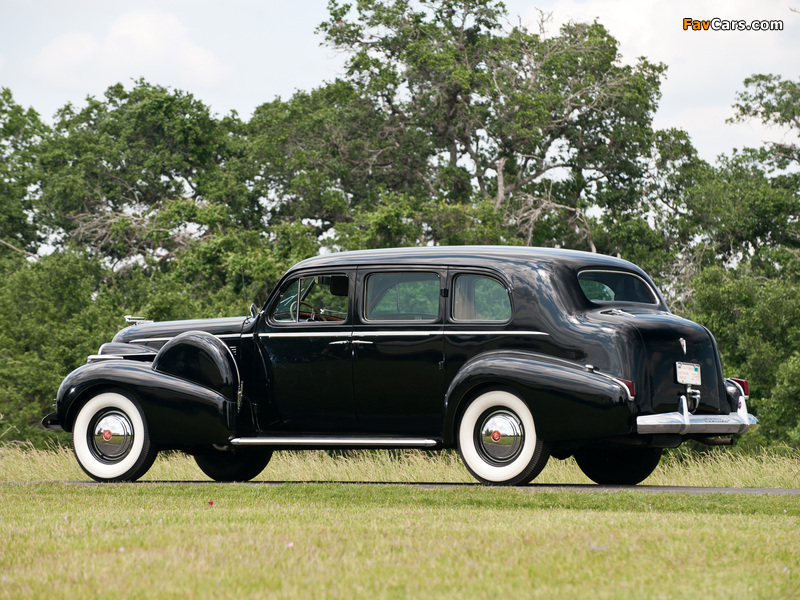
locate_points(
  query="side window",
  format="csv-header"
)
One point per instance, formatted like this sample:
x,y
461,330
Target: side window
x,y
322,298
479,298
402,297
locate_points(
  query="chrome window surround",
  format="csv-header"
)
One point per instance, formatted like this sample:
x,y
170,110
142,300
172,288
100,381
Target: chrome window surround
x,y
650,288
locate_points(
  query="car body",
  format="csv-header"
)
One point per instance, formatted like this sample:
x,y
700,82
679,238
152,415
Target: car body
x,y
510,354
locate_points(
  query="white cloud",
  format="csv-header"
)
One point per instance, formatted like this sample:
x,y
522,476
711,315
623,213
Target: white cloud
x,y
148,43
62,59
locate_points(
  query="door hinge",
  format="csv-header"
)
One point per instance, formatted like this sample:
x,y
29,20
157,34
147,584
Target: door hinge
x,y
441,365
239,397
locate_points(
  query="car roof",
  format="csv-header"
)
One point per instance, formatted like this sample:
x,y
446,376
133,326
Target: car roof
x,y
497,256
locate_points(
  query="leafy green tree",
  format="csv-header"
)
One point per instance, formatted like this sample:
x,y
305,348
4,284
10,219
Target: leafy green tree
x,y
143,173
19,130
756,321
774,101
745,218
328,155
542,127
53,314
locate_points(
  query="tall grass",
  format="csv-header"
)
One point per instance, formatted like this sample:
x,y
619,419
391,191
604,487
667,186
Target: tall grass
x,y
776,468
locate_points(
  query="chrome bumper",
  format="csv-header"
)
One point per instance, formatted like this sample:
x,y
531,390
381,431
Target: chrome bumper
x,y
684,423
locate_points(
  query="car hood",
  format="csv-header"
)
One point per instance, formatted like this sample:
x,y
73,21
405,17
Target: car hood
x,y
164,330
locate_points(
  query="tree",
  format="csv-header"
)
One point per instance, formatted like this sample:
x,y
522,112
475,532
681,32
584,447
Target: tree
x,y
543,127
774,101
19,130
142,173
746,215
327,155
53,314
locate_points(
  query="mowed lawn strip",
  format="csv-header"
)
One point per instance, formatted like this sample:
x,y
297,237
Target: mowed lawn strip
x,y
326,540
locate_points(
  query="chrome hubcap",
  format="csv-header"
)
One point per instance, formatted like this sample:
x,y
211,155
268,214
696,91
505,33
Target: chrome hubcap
x,y
501,436
112,436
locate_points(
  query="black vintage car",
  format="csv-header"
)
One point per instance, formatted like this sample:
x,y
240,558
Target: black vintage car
x,y
509,354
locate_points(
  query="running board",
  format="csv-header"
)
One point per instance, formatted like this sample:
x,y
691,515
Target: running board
x,y
336,442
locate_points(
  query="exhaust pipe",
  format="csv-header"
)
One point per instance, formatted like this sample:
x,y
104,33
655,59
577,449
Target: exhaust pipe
x,y
713,441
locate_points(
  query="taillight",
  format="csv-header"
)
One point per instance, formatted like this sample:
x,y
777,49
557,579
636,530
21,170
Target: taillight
x,y
743,383
630,385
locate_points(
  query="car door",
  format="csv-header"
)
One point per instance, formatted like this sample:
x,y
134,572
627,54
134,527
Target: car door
x,y
479,318
398,350
304,341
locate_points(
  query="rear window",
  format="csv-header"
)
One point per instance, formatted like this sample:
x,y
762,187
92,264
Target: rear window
x,y
479,298
616,286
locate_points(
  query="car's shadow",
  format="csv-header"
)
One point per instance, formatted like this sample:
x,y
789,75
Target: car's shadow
x,y
533,487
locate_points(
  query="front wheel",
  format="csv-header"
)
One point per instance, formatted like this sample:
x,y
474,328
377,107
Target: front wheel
x,y
111,440
498,442
618,466
242,463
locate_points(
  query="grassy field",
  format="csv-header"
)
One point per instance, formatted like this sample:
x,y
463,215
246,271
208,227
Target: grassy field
x,y
335,540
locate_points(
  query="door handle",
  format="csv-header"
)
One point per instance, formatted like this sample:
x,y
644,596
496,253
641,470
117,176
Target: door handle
x,y
339,343
363,342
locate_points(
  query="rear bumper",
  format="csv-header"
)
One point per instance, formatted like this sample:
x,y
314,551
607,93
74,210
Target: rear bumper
x,y
685,423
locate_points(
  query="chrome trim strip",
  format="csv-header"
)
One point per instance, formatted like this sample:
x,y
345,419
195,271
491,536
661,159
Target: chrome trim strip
x,y
294,334
397,333
352,442
97,357
656,297
355,334
166,339
444,332
489,332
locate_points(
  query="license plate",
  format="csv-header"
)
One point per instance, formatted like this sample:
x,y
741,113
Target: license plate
x,y
688,373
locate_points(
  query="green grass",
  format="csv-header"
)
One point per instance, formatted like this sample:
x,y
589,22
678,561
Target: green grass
x,y
335,540
158,540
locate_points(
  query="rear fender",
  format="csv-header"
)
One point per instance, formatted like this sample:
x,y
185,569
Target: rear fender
x,y
568,401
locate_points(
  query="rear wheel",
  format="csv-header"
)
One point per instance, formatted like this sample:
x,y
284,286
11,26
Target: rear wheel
x,y
498,442
618,466
238,464
111,439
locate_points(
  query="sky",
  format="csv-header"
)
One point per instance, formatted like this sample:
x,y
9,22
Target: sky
x,y
238,54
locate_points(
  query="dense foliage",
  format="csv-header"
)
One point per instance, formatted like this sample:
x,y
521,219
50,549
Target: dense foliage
x,y
449,127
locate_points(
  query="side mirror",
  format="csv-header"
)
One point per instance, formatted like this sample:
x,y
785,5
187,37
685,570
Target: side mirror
x,y
253,311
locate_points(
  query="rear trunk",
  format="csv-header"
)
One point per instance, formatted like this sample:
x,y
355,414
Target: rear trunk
x,y
669,340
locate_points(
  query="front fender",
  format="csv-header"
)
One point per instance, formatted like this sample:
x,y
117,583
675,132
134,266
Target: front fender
x,y
568,401
178,411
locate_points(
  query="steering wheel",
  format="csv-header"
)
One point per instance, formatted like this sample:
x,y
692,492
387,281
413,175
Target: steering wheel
x,y
311,309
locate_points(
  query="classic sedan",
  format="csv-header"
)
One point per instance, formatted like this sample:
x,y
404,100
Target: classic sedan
x,y
509,354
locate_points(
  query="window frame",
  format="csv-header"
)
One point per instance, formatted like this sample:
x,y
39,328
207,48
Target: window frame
x,y
452,295
364,277
656,298
295,280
